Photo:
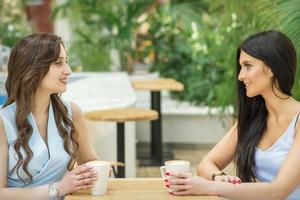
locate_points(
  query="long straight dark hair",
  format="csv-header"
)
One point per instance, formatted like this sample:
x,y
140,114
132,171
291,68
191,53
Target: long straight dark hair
x,y
279,54
28,64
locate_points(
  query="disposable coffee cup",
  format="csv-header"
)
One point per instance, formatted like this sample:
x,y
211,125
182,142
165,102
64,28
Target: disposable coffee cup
x,y
102,168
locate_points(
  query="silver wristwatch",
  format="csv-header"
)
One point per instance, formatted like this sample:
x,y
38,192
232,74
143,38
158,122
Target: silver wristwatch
x,y
53,191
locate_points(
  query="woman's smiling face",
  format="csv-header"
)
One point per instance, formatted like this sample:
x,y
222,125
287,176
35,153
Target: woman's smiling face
x,y
256,76
55,80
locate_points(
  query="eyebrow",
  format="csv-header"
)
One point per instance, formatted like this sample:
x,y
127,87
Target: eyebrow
x,y
61,58
246,61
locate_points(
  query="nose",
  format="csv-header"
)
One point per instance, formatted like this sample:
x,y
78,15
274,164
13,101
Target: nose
x,y
241,75
67,69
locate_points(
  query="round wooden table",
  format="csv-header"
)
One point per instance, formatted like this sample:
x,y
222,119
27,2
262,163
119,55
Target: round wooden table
x,y
121,116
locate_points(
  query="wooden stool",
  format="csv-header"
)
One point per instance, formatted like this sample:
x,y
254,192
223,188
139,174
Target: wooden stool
x,y
156,86
121,116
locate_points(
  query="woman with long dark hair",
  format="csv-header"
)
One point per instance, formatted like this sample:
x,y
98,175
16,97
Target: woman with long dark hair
x,y
265,142
41,135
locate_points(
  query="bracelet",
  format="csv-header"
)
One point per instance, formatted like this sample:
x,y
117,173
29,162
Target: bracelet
x,y
53,191
221,173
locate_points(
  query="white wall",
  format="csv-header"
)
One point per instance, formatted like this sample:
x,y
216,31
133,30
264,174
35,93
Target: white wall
x,y
202,129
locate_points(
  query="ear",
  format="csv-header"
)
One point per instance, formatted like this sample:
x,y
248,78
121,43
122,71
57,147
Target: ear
x,y
268,71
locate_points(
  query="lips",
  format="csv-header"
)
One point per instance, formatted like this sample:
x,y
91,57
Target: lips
x,y
64,80
246,85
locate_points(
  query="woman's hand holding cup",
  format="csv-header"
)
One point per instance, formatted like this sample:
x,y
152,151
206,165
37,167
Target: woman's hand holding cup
x,y
84,176
172,166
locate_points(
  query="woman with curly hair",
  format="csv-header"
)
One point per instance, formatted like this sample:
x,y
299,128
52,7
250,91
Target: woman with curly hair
x,y
41,135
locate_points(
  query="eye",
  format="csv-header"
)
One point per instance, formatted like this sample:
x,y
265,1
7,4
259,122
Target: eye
x,y
247,66
58,63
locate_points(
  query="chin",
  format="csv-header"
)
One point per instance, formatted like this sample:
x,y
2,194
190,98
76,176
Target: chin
x,y
250,95
62,90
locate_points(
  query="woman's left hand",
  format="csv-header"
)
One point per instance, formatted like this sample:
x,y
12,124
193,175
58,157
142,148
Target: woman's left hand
x,y
187,184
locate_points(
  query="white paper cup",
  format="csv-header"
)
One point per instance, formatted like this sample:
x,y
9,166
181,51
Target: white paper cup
x,y
102,168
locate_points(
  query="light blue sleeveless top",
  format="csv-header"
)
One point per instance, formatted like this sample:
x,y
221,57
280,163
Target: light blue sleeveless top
x,y
46,166
269,161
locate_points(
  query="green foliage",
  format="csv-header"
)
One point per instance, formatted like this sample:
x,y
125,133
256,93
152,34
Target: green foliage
x,y
196,44
181,50
13,24
101,25
287,13
191,41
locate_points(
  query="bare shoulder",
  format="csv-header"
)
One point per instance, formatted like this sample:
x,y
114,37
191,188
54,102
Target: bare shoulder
x,y
233,130
76,111
3,138
297,127
297,106
3,155
3,141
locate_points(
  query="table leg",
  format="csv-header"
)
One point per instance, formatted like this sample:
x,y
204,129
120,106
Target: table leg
x,y
121,148
156,136
157,153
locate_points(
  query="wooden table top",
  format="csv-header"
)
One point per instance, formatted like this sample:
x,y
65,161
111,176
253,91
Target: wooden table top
x,y
135,189
158,84
122,115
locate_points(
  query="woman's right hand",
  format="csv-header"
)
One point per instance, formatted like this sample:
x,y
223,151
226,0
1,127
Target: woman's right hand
x,y
84,176
228,178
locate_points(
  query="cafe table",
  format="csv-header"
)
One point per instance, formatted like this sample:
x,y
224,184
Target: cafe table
x,y
156,86
135,189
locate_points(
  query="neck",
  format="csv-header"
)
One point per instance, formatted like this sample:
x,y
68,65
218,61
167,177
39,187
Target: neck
x,y
40,103
280,108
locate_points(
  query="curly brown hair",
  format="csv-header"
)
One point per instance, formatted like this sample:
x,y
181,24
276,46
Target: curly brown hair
x,y
28,64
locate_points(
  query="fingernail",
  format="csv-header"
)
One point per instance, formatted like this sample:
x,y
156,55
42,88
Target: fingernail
x,y
239,181
166,180
171,193
234,182
167,185
167,174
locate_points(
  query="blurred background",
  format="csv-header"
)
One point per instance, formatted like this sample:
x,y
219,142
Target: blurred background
x,y
191,41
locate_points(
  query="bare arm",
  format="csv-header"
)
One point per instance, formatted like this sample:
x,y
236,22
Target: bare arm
x,y
68,184
86,150
247,191
287,180
220,156
36,193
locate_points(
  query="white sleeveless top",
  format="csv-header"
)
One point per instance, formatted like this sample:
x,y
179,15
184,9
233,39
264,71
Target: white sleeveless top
x,y
269,161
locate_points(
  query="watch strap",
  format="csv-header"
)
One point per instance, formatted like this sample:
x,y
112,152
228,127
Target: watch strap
x,y
221,173
53,191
